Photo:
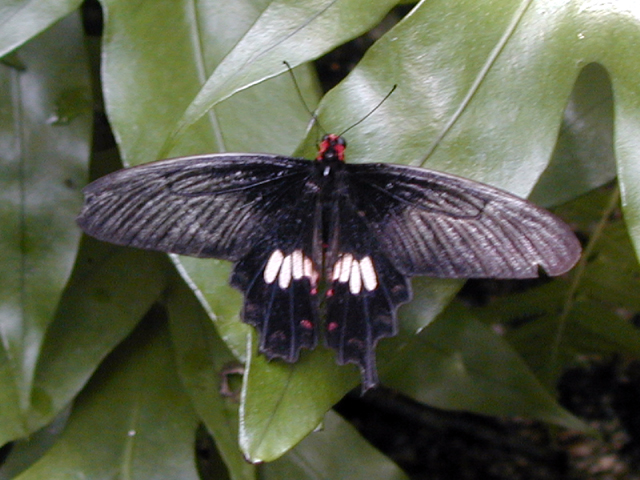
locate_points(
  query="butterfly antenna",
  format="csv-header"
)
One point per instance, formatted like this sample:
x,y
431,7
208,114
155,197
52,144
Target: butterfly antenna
x,y
372,111
314,116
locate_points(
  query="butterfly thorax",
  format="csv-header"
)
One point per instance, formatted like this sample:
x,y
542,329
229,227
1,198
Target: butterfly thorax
x,y
331,187
331,149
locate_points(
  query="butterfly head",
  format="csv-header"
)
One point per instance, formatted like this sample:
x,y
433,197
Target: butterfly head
x,y
332,148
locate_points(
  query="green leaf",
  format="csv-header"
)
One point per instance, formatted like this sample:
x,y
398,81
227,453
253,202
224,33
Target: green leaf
x,y
20,20
583,158
295,31
458,363
111,289
133,420
323,453
45,121
282,403
481,85
202,359
156,58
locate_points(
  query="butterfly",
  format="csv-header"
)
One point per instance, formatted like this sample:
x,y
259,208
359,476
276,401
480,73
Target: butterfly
x,y
325,245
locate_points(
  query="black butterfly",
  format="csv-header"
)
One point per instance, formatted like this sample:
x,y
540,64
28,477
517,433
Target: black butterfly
x,y
342,237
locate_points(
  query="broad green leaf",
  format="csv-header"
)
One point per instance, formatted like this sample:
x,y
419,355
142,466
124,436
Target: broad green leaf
x,y
156,57
202,358
583,157
133,420
280,405
21,20
459,363
45,125
482,87
111,289
323,453
295,31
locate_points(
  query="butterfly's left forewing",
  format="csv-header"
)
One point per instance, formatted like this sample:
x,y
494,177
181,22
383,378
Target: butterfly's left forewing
x,y
205,206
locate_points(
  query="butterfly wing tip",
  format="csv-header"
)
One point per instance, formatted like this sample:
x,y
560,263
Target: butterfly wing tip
x,y
563,264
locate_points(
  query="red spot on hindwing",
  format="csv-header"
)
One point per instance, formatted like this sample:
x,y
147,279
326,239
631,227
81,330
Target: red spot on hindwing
x,y
306,324
332,326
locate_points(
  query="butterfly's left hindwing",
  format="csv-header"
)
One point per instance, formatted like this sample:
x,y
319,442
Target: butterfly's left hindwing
x,y
279,279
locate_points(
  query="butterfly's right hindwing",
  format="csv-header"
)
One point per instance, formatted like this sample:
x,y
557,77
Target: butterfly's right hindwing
x,y
204,206
365,288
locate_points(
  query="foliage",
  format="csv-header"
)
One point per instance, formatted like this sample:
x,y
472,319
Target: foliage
x,y
483,87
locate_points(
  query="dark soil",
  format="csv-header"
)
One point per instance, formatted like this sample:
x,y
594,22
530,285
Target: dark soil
x,y
434,444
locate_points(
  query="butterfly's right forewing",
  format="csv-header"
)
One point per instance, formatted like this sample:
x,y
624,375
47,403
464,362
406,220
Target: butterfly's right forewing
x,y
432,223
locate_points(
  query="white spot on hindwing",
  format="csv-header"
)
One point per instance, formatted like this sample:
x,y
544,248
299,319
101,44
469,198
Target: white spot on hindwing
x,y
368,273
286,268
308,270
273,266
357,273
284,279
355,281
344,271
297,264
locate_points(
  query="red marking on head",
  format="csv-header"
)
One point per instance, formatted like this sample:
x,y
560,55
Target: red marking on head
x,y
331,148
332,326
306,324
